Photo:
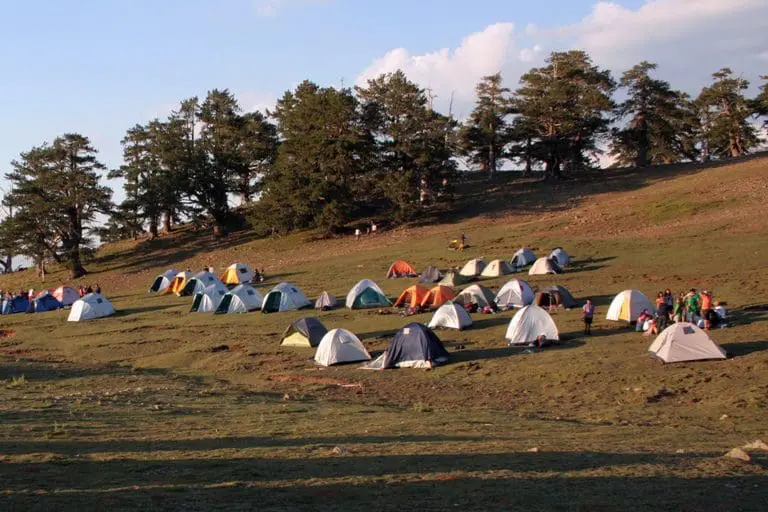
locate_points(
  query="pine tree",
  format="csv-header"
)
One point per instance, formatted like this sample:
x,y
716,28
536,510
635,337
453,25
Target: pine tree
x,y
563,110
725,113
760,103
57,193
485,137
661,126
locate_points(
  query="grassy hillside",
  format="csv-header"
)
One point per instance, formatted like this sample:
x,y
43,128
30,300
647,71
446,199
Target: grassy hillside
x,y
139,410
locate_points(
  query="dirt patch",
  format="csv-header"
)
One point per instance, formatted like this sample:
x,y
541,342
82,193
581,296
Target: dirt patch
x,y
7,333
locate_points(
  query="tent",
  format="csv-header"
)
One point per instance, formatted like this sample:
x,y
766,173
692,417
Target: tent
x,y
326,301
240,299
44,302
198,283
178,282
528,324
284,297
208,300
497,268
163,281
685,342
473,268
544,266
90,307
437,296
628,305
401,268
515,294
430,275
560,256
522,258
15,305
304,332
555,296
454,279
66,295
450,316
340,346
237,273
366,294
475,294
414,346
411,297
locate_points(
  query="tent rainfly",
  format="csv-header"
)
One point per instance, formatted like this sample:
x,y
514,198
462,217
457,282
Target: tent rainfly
x,y
475,294
326,301
628,305
411,297
683,342
208,300
44,302
497,268
163,281
366,294
454,279
515,294
544,266
560,256
199,283
556,296
66,295
284,297
304,332
450,316
401,268
414,346
340,346
528,324
522,258
437,296
243,298
430,275
90,307
178,282
473,268
237,273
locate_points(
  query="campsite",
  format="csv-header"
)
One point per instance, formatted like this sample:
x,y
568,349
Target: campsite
x,y
155,406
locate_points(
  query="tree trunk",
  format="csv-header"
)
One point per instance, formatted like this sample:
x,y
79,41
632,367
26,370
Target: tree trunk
x,y
167,222
41,268
642,141
528,159
153,228
491,161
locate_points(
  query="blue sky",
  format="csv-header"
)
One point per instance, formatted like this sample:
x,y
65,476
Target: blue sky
x,y
98,67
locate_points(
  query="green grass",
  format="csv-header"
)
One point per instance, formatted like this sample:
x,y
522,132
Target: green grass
x,y
137,412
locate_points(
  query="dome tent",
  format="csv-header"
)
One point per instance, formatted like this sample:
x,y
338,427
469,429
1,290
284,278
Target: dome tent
x,y
497,268
163,281
240,299
199,283
437,296
208,300
544,266
178,282
473,268
450,316
17,304
522,258
475,294
515,293
304,332
430,275
560,256
90,307
326,301
66,295
411,297
454,279
528,324
284,297
414,346
44,302
401,268
628,305
237,273
682,342
366,294
555,296
340,346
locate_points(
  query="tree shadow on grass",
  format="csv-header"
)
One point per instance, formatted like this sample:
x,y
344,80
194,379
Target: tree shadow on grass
x,y
480,354
122,312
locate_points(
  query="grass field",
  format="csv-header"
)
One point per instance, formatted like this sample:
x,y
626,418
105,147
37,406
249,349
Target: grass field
x,y
140,411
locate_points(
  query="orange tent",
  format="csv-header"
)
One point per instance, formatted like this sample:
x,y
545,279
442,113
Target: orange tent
x,y
411,297
437,296
178,283
401,268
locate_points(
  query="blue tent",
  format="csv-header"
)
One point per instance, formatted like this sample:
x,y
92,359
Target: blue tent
x,y
415,345
15,305
44,303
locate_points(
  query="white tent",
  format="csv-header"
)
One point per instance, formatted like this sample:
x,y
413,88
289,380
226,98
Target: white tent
x,y
284,297
326,301
199,283
240,299
163,281
523,258
560,256
516,293
90,307
475,294
529,323
685,342
366,293
208,300
473,268
497,268
543,266
340,346
237,273
450,316
628,305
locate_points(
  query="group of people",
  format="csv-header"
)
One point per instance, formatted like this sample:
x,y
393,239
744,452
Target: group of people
x,y
82,291
693,306
31,294
368,231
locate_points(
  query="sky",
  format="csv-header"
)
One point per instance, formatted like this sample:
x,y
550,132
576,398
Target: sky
x,y
99,67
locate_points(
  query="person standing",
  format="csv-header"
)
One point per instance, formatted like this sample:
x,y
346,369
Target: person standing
x,y
588,314
357,234
692,306
706,308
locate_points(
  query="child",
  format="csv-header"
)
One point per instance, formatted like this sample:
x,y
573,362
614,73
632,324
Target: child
x,y
588,313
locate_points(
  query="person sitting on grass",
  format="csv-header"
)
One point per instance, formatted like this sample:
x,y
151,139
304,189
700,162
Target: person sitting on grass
x,y
644,317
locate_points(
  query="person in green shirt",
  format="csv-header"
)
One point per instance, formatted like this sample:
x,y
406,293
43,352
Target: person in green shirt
x,y
692,303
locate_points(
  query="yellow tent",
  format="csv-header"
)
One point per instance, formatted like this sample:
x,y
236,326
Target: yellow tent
x,y
178,283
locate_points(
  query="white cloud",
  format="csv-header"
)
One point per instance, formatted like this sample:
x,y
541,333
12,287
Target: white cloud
x,y
689,39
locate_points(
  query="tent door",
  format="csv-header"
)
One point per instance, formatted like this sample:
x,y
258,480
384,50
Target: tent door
x,y
196,302
273,302
369,297
224,304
